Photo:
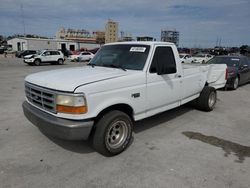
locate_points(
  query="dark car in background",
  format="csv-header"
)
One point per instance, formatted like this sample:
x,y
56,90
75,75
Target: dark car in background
x,y
238,69
21,54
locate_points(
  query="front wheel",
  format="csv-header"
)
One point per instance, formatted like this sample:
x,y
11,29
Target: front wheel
x,y
37,62
207,99
113,133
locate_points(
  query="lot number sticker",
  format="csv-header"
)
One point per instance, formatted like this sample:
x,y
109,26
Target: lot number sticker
x,y
137,49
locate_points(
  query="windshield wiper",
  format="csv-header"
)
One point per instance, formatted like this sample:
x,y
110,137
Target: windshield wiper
x,y
91,64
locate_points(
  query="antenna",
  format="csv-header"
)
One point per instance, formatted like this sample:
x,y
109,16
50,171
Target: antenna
x,y
22,15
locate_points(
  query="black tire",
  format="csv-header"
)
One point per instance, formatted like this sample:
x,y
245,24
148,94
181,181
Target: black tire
x,y
235,83
60,62
113,133
207,100
37,62
203,62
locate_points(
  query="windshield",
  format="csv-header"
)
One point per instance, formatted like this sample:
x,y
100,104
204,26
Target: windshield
x,y
199,55
125,56
230,61
39,52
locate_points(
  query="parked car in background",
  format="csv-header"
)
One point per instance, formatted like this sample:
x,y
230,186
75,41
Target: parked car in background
x,y
4,48
66,52
45,56
202,58
93,51
21,54
85,56
238,69
186,58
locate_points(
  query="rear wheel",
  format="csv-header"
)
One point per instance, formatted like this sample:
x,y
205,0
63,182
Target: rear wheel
x,y
113,133
235,84
207,99
37,62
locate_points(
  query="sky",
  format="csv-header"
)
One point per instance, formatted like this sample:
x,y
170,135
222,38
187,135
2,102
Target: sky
x,y
200,23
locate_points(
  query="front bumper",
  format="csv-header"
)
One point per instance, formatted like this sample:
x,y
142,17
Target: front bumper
x,y
28,60
57,127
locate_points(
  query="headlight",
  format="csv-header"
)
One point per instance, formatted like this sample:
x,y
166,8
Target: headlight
x,y
71,104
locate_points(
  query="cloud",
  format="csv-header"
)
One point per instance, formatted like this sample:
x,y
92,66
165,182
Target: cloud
x,y
199,22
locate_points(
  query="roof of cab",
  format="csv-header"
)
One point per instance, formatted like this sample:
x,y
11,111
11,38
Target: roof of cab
x,y
142,43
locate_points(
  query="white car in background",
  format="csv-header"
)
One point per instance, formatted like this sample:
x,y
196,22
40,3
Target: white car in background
x,y
85,56
82,56
202,58
45,56
186,58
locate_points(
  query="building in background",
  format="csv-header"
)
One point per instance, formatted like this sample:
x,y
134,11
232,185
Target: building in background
x,y
99,37
24,43
170,36
126,36
72,33
111,31
145,38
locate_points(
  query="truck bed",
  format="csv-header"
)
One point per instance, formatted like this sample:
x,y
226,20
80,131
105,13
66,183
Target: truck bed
x,y
215,73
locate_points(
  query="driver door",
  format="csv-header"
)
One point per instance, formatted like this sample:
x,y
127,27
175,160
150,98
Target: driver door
x,y
163,91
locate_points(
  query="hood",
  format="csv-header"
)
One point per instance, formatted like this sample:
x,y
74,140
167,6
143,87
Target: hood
x,y
70,78
29,56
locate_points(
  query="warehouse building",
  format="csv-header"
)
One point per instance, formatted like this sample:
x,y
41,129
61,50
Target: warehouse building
x,y
23,43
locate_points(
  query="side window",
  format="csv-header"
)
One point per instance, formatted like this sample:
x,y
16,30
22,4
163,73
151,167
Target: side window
x,y
163,57
248,61
245,61
47,53
53,53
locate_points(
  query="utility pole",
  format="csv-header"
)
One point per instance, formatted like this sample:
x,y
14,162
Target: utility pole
x,y
23,23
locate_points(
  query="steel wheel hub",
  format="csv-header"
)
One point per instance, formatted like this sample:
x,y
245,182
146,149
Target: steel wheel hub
x,y
117,134
212,99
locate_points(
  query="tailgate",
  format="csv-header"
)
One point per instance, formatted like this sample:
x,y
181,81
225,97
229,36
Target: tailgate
x,y
216,76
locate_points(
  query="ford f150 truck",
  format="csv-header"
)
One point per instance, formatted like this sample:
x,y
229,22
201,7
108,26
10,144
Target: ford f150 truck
x,y
124,82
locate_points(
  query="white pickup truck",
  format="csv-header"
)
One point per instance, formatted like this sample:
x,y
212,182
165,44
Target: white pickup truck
x,y
124,82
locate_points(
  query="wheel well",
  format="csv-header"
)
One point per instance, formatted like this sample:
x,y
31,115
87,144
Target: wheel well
x,y
38,59
238,75
121,107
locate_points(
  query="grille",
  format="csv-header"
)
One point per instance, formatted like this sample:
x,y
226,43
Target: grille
x,y
40,97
